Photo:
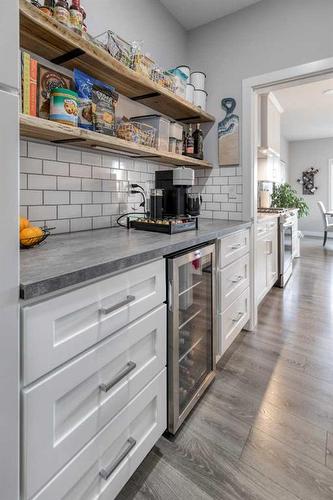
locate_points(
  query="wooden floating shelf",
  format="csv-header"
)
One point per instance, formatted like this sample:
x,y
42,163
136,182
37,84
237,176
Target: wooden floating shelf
x,y
48,38
38,128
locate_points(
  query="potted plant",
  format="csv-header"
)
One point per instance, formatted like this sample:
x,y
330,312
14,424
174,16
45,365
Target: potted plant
x,y
284,196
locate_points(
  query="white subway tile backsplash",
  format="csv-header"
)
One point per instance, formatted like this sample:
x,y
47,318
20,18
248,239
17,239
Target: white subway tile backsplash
x,y
81,224
220,197
30,197
118,175
110,161
134,176
69,155
126,163
91,210
42,213
229,207
212,206
101,173
60,226
69,211
55,168
111,209
91,158
100,222
220,215
23,211
235,180
104,197
119,197
23,181
23,148
68,184
76,170
41,182
114,186
236,216
56,197
31,166
212,189
80,197
91,185
43,151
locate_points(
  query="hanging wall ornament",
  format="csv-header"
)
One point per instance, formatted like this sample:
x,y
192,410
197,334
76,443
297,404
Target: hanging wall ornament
x,y
228,134
308,180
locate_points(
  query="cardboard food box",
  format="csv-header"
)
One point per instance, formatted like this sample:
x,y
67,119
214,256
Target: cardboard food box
x,y
49,79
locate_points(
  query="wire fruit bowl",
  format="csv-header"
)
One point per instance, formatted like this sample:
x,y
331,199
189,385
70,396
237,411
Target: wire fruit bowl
x,y
35,240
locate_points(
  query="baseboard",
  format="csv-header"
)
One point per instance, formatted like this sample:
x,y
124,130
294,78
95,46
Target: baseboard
x,y
316,234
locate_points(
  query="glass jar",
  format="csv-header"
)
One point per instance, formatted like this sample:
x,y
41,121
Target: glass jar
x,y
61,12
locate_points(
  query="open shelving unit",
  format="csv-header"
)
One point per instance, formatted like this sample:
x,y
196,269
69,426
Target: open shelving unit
x,y
48,38
38,128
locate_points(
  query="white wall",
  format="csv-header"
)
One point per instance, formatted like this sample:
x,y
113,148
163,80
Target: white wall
x,y
305,154
148,20
267,36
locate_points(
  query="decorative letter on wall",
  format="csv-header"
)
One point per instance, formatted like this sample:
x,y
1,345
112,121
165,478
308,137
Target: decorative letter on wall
x,y
228,134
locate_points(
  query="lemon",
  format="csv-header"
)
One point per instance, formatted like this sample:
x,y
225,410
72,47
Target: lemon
x,y
29,236
24,223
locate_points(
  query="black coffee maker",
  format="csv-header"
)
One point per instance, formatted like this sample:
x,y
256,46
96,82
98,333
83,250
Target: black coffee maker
x,y
177,201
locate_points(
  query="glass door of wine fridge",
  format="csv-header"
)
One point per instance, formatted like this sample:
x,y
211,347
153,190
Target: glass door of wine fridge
x,y
191,330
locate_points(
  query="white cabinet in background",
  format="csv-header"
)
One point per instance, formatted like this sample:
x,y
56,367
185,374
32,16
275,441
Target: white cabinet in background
x,y
233,306
266,257
270,123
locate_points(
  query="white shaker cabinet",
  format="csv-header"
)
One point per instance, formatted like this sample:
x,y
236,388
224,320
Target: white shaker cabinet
x,y
233,288
266,257
270,123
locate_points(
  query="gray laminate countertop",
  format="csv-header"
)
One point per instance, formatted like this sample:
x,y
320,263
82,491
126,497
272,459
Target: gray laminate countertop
x,y
70,259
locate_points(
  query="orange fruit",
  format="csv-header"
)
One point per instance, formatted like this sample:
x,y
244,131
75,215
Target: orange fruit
x,y
29,236
24,223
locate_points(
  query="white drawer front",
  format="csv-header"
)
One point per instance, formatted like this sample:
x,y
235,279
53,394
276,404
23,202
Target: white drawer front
x,y
272,225
65,410
234,319
234,279
142,421
233,247
59,329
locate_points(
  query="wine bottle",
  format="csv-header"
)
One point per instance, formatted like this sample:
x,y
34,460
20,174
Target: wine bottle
x,y
198,142
189,143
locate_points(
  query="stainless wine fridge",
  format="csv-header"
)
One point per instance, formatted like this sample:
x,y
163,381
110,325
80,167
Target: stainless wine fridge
x,y
191,330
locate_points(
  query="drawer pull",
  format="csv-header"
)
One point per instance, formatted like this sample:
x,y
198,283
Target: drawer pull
x,y
235,247
239,317
129,367
106,473
108,310
237,280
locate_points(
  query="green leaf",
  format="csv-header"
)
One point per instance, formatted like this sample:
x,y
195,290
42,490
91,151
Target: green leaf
x,y
286,196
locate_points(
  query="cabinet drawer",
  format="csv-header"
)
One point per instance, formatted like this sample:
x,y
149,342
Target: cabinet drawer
x,y
234,319
234,246
261,229
120,447
65,410
56,330
234,279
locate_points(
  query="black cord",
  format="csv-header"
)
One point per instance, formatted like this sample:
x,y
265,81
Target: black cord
x,y
126,215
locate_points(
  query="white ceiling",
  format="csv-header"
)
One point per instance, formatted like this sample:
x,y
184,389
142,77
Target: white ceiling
x,y
308,114
194,13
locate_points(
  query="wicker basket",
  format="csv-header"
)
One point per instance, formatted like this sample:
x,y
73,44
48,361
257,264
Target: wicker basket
x,y
37,240
140,133
116,46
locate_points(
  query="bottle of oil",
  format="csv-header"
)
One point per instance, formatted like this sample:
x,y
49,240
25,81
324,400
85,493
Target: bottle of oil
x,y
189,143
198,142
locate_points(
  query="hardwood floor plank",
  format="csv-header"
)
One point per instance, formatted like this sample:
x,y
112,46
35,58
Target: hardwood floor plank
x,y
299,474
216,471
329,450
158,480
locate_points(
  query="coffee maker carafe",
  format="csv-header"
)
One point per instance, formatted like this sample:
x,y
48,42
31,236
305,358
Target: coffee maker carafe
x,y
177,201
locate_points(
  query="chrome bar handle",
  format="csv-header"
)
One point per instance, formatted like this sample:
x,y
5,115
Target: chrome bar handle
x,y
108,310
235,247
170,295
128,368
237,280
106,473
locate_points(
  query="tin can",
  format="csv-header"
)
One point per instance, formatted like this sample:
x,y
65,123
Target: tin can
x,y
64,106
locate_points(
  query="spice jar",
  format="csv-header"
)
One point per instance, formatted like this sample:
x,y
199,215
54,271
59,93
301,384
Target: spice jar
x,y
61,12
76,17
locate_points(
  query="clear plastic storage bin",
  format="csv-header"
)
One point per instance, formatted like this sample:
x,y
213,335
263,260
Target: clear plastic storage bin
x,y
162,126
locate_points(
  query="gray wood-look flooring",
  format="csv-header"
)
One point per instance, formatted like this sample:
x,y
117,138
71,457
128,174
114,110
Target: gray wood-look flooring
x,y
264,429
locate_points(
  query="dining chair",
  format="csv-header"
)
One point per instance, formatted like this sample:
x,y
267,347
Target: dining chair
x,y
328,226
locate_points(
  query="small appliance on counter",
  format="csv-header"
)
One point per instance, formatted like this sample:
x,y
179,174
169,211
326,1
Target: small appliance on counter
x,y
173,209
